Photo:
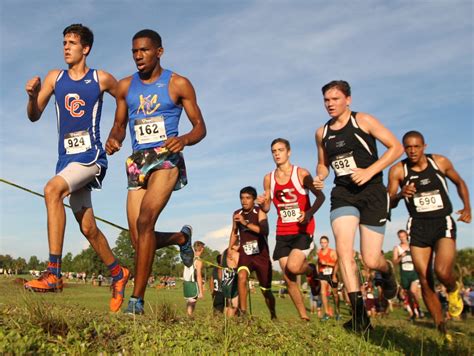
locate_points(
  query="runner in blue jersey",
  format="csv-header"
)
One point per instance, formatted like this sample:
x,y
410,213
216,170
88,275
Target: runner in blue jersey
x,y
150,102
82,160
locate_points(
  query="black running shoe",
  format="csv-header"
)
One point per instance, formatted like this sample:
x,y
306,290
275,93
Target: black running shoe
x,y
389,284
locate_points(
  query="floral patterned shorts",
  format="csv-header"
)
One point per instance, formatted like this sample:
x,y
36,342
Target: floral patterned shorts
x,y
142,163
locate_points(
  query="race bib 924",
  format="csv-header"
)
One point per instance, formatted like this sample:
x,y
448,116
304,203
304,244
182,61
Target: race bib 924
x,y
77,142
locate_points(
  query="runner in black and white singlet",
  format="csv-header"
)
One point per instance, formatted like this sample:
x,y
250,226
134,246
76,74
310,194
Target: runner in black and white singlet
x,y
215,284
250,229
82,162
347,143
421,179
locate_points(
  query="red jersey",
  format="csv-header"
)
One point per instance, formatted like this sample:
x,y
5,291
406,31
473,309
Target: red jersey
x,y
290,199
325,262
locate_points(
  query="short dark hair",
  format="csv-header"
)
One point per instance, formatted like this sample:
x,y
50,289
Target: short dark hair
x,y
86,35
198,245
281,140
341,85
249,190
152,35
401,231
413,133
324,237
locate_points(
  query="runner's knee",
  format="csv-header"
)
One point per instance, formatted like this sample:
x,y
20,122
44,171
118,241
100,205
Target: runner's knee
x,y
145,223
89,230
443,273
52,191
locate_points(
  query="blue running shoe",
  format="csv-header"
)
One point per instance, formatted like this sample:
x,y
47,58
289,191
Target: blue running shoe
x,y
135,306
186,250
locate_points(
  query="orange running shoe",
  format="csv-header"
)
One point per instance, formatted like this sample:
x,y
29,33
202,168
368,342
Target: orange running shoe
x,y
47,282
118,290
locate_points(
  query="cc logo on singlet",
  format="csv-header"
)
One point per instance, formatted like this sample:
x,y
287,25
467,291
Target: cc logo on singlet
x,y
73,104
286,195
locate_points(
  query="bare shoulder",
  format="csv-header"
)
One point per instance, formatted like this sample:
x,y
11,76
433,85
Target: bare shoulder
x,y
103,75
366,121
302,172
319,133
396,169
178,81
442,162
52,75
123,85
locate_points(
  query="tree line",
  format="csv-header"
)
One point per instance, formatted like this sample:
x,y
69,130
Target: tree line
x,y
167,261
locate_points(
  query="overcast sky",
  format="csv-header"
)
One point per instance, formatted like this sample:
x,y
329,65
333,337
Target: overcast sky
x,y
257,68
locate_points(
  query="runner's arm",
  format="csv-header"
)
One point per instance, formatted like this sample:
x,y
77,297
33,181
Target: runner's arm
x,y
264,200
211,284
38,96
187,98
394,150
336,267
394,179
307,180
233,233
199,278
107,83
396,256
119,129
448,169
322,168
263,223
260,228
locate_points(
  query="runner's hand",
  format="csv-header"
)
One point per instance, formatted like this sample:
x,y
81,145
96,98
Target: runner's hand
x,y
200,296
464,215
33,87
261,199
239,218
408,190
360,176
112,146
174,144
304,218
318,182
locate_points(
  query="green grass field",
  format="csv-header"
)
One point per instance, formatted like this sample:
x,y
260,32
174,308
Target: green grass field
x,y
77,321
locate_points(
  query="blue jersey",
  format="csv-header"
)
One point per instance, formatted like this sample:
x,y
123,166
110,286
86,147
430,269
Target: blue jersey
x,y
78,109
153,116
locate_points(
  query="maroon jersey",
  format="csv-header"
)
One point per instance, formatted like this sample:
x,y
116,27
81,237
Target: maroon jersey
x,y
290,199
251,243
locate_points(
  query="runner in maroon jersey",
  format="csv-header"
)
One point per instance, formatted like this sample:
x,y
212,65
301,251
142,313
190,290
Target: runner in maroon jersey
x,y
250,224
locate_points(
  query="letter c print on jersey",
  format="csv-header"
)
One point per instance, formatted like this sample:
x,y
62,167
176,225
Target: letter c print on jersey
x,y
73,103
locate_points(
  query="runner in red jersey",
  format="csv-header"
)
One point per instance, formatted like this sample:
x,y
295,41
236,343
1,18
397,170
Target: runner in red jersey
x,y
288,187
327,268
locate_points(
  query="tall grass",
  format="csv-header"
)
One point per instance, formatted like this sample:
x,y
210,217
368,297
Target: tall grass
x,y
77,322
